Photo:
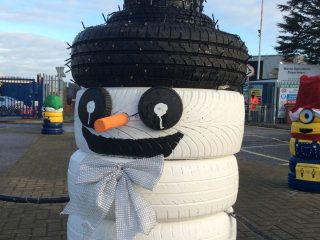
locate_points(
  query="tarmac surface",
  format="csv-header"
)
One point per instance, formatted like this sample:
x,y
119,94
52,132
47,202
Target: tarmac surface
x,y
264,199
265,202
13,145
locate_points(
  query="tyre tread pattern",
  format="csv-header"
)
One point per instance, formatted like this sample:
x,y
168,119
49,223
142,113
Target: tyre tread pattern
x,y
186,189
153,54
214,227
216,130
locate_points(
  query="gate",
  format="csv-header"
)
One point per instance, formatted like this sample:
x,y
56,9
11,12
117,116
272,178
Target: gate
x,y
19,97
266,91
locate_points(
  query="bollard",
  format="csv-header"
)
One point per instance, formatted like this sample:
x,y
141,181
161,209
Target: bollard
x,y
52,116
304,166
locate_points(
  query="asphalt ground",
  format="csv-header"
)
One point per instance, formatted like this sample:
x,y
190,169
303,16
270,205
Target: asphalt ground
x,y
41,171
265,202
15,140
265,145
13,144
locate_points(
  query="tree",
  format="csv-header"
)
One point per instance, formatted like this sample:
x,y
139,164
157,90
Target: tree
x,y
300,31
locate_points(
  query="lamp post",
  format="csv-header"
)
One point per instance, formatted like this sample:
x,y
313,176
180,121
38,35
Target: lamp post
x,y
260,36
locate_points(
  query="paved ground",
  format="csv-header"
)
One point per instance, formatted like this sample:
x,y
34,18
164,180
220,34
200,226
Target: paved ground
x,y
40,171
264,198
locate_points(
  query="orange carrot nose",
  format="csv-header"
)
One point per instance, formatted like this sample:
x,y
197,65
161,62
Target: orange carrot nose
x,y
108,123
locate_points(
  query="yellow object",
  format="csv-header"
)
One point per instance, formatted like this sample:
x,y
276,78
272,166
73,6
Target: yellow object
x,y
52,114
292,147
314,127
308,172
54,119
108,123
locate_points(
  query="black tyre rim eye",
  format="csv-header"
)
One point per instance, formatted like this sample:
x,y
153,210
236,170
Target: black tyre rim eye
x,y
160,108
95,103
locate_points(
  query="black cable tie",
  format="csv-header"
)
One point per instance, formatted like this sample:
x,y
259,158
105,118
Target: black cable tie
x,y
84,27
104,17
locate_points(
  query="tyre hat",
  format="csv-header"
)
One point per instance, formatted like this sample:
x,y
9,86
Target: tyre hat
x,y
178,46
308,97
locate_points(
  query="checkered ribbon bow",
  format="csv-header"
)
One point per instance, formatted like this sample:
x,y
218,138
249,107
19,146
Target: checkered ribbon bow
x,y
101,183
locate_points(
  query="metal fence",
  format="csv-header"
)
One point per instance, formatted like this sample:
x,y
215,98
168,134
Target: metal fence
x,y
262,114
18,97
24,97
52,85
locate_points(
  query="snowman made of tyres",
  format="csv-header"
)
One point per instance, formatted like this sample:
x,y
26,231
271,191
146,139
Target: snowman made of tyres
x,y
156,139
172,159
304,173
52,113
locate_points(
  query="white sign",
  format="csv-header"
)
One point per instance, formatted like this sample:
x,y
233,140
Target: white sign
x,y
60,71
288,81
250,70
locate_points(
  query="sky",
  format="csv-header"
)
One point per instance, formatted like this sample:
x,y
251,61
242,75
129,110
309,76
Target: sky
x,y
34,33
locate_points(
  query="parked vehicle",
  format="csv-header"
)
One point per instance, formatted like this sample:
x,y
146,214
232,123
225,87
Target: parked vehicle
x,y
9,105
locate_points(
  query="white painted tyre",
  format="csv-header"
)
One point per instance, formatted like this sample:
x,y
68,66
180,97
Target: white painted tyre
x,y
215,227
212,122
186,189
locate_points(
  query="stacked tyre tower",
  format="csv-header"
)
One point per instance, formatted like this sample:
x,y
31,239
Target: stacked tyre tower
x,y
52,116
304,172
151,76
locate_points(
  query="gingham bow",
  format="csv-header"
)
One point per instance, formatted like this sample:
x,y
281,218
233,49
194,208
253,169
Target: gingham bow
x,y
101,183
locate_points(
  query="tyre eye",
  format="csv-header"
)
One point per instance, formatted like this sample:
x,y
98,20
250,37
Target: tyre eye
x,y
95,103
160,108
306,116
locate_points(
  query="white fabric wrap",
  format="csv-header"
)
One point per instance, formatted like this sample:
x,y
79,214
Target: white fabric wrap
x,y
102,182
294,116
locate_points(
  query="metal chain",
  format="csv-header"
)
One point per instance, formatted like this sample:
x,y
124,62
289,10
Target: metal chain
x,y
252,227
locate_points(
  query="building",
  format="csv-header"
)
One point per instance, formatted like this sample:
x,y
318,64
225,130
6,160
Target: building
x,y
269,66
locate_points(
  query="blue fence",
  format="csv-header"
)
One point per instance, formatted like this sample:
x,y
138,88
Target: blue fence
x,y
20,97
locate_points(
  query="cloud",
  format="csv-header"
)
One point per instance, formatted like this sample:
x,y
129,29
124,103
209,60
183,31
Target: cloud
x,y
58,12
34,34
25,55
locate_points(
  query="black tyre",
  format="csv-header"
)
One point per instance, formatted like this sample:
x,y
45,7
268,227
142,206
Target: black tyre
x,y
169,15
191,5
157,53
52,131
102,106
304,186
51,125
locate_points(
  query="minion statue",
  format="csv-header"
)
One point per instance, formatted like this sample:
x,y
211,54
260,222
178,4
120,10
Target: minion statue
x,y
304,173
